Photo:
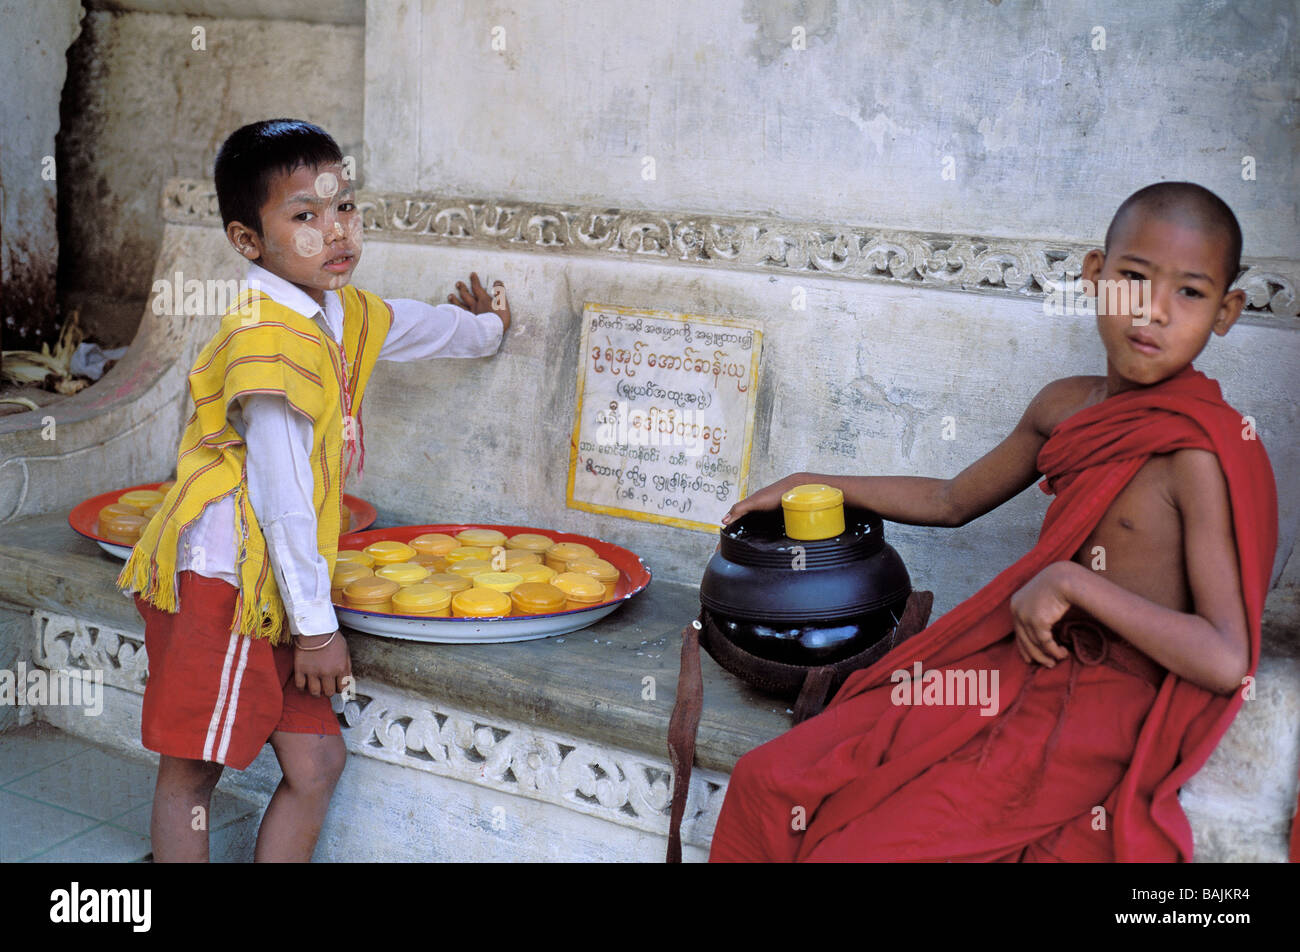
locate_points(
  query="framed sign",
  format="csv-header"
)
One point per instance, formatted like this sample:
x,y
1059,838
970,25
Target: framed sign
x,y
665,415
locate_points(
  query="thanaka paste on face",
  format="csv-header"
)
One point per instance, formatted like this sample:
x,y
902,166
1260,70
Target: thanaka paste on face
x,y
327,185
307,241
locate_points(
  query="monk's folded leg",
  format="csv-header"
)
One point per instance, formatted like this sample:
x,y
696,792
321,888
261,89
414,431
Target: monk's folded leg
x,y
775,788
1028,791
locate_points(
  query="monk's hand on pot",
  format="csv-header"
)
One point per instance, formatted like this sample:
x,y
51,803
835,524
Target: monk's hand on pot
x,y
318,670
769,497
1035,608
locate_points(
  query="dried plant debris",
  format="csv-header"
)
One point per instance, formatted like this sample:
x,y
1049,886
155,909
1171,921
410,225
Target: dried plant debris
x,y
49,370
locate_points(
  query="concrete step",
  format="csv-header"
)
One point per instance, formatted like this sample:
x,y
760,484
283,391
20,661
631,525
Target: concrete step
x,y
65,799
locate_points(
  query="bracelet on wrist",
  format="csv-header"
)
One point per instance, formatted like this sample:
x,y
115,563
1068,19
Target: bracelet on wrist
x,y
301,647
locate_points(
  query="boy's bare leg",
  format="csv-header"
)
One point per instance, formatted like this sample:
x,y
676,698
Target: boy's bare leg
x,y
182,785
311,764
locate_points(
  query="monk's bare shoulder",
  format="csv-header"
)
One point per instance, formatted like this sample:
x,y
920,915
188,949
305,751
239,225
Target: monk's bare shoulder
x,y
1063,398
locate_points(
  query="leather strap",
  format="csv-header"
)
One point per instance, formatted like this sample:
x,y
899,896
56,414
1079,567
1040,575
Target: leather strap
x,y
682,728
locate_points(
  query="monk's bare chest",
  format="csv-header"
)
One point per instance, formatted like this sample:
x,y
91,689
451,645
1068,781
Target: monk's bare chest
x,y
1138,544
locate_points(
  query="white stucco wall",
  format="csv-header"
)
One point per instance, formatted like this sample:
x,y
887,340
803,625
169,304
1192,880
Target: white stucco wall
x,y
1046,134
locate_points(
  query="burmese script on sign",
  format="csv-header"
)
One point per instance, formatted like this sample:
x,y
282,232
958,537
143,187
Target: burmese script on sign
x,y
665,415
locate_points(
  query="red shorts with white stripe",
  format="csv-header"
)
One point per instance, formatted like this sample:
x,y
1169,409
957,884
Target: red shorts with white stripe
x,y
213,694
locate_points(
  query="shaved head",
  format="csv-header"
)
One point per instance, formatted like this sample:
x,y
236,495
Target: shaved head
x,y
1188,205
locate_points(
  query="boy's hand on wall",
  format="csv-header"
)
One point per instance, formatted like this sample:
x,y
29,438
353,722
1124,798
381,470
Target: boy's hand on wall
x,y
322,671
479,300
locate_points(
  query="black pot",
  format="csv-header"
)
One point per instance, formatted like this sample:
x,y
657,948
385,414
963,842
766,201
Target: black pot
x,y
805,603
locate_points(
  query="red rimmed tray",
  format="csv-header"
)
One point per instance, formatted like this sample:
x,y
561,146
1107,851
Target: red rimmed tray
x,y
84,518
634,576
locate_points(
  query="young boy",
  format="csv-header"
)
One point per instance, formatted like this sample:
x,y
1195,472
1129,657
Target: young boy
x,y
1121,641
233,573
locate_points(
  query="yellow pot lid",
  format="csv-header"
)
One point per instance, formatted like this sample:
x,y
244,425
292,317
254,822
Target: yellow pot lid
x,y
403,573
481,537
596,568
564,551
465,552
345,572
118,509
387,550
521,557
578,586
498,581
354,555
435,543
530,541
812,496
481,602
422,598
370,588
452,583
469,567
533,572
140,499
538,597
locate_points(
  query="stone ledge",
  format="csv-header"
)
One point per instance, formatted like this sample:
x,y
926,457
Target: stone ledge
x,y
588,684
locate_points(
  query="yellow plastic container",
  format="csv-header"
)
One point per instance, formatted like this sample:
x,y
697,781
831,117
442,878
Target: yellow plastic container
x,y
164,488
559,555
464,552
532,572
480,603
344,573
403,573
498,581
355,555
452,583
468,568
422,599
387,551
481,538
370,594
517,557
813,511
435,543
152,510
124,528
602,571
434,563
140,499
580,591
530,542
537,598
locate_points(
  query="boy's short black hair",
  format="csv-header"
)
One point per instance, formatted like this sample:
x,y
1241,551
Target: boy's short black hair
x,y
1190,204
254,153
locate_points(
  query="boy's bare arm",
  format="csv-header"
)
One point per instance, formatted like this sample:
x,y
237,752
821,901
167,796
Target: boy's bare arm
x,y
1210,645
1006,470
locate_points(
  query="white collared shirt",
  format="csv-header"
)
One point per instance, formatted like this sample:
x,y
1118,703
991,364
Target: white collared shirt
x,y
278,442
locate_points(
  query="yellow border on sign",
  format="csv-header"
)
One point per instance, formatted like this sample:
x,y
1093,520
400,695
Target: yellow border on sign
x,y
742,481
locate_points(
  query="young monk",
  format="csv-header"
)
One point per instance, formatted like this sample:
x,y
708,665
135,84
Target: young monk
x,y
233,573
1121,641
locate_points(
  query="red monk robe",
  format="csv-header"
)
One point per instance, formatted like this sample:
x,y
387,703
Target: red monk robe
x,y
875,780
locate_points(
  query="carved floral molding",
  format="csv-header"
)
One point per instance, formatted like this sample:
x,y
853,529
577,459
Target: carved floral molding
x,y
1026,267
615,785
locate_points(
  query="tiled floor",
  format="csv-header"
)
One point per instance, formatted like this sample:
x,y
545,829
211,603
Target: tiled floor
x,y
65,799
